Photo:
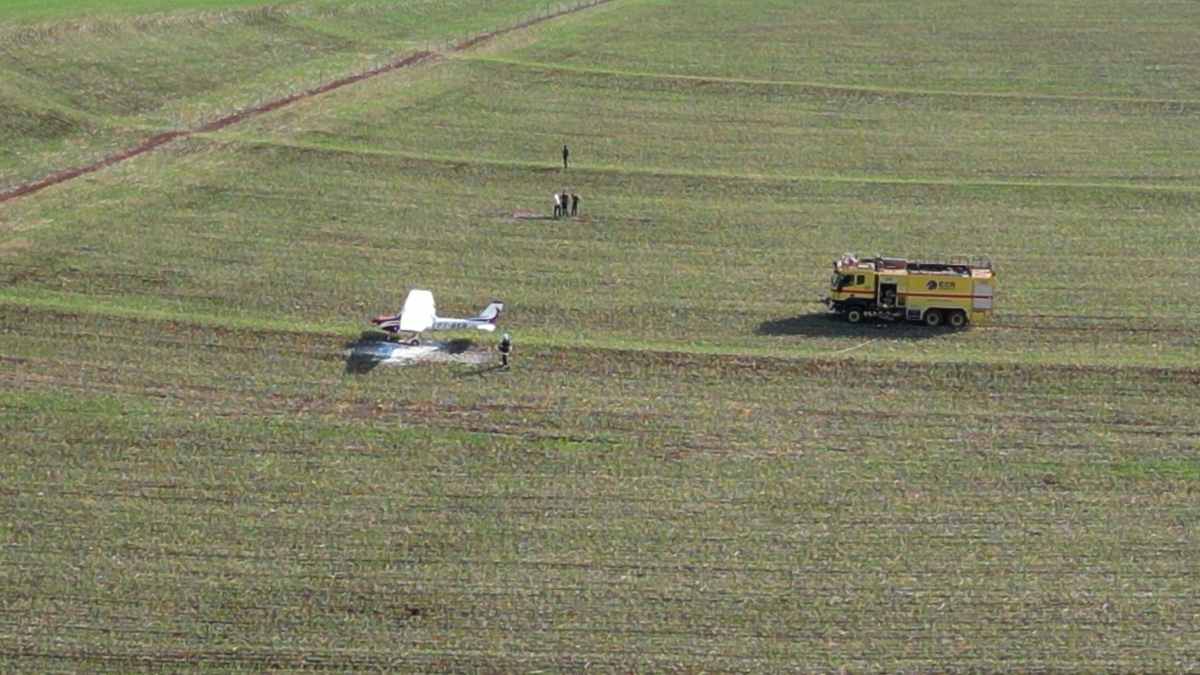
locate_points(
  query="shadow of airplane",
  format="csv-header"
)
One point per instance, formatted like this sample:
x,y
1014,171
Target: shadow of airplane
x,y
368,351
457,345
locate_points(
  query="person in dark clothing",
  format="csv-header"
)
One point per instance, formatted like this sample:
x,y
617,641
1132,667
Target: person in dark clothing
x,y
566,203
574,204
566,154
505,348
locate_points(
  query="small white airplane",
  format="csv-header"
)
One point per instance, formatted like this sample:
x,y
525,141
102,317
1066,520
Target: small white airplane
x,y
419,315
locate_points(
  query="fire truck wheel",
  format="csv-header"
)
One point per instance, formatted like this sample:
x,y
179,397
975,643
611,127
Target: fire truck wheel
x,y
854,315
957,319
933,318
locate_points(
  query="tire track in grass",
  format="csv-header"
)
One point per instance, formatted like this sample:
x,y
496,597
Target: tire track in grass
x,y
159,140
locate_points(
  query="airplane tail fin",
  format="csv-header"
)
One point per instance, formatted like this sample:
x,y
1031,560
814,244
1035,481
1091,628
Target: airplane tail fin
x,y
492,311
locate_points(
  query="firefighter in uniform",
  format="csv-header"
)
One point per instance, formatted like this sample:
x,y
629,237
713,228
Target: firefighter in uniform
x,y
505,348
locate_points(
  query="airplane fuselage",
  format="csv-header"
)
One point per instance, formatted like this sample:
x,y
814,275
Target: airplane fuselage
x,y
392,324
462,324
419,315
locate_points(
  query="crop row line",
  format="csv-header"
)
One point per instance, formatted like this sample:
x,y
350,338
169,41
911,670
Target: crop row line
x,y
1008,620
616,656
751,362
423,502
418,590
675,172
1177,106
677,568
73,306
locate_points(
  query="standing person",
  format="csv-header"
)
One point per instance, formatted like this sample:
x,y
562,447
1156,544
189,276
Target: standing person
x,y
574,203
505,348
557,205
566,203
566,154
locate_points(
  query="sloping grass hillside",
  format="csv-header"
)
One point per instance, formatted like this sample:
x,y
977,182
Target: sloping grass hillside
x,y
81,85
32,11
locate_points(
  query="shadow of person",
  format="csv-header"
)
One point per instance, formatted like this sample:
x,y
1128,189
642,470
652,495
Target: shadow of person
x,y
827,325
482,370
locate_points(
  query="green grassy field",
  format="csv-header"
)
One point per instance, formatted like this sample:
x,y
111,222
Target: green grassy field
x,y
47,10
690,467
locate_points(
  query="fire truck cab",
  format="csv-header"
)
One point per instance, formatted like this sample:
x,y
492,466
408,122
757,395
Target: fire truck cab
x,y
952,293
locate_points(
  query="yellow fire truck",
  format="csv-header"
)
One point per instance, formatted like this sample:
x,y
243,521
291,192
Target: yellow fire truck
x,y
937,293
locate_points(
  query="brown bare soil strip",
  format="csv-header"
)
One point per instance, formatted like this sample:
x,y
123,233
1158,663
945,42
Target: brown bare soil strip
x,y
159,140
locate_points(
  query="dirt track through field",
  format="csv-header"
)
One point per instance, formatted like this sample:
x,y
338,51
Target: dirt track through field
x,y
162,139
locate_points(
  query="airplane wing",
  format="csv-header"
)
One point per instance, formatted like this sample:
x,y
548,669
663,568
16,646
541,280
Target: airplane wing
x,y
418,313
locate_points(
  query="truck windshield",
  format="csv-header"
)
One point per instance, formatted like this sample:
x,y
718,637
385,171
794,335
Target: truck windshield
x,y
840,281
